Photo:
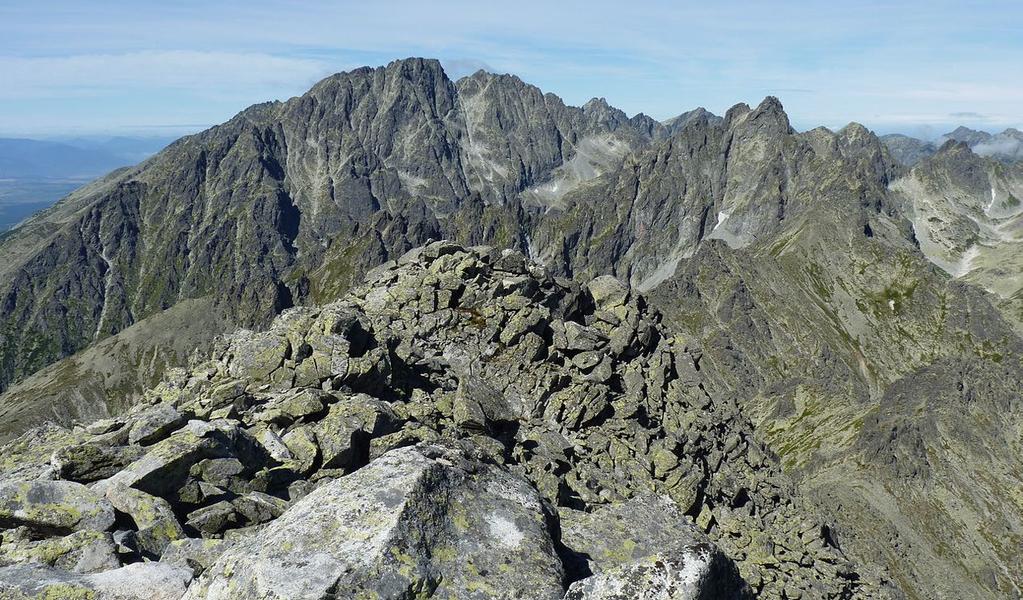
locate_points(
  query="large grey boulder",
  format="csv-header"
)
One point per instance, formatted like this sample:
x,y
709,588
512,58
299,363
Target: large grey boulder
x,y
700,572
153,516
85,551
419,521
53,507
155,423
646,548
86,463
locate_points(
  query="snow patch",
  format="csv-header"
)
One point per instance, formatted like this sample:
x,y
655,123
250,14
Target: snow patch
x,y
722,216
965,264
410,181
593,156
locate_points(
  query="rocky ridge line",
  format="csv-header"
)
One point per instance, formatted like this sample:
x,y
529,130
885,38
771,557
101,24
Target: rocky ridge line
x,y
454,380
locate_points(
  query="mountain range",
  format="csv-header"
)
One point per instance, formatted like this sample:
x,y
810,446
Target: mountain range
x,y
851,306
1006,146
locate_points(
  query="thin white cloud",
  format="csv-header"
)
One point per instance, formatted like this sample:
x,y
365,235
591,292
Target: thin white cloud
x,y
93,74
868,60
1001,146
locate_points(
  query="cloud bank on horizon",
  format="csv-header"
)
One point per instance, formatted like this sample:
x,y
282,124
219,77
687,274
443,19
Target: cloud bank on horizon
x,y
133,67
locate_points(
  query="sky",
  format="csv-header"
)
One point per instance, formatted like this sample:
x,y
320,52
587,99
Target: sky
x,y
135,67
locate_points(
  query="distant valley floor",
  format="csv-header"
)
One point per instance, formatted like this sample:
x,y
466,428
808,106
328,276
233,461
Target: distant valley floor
x,y
21,198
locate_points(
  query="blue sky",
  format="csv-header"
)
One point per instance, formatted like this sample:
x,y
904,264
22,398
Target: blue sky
x,y
139,67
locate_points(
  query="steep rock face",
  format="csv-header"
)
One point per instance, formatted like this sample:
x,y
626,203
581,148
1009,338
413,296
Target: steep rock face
x,y
968,218
287,199
908,150
741,180
568,398
819,329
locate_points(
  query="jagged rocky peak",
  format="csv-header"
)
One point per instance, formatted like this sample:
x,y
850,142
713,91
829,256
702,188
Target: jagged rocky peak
x,y
460,411
956,164
1006,147
362,167
967,135
856,133
768,116
907,150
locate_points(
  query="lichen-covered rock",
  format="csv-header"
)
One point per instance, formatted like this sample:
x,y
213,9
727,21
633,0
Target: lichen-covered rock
x,y
608,293
154,424
139,581
421,521
343,435
154,519
53,507
698,572
616,535
167,464
90,462
257,507
214,519
85,551
303,447
195,554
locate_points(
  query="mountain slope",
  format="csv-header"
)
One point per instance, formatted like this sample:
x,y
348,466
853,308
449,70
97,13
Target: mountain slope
x,y
968,218
1005,147
287,198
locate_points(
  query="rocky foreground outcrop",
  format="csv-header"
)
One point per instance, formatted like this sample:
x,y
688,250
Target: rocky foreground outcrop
x,y
464,425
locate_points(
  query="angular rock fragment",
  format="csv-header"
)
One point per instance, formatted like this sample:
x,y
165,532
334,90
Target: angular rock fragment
x,y
645,547
343,435
608,293
53,507
155,424
154,520
90,462
86,551
700,572
214,519
302,445
193,553
256,507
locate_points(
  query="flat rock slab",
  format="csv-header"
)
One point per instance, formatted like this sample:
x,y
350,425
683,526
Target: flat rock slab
x,y
155,424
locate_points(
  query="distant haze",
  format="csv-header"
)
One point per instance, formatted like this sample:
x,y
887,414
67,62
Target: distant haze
x,y
36,173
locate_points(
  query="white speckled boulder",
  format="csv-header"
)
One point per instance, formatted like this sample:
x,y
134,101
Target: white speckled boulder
x,y
418,521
